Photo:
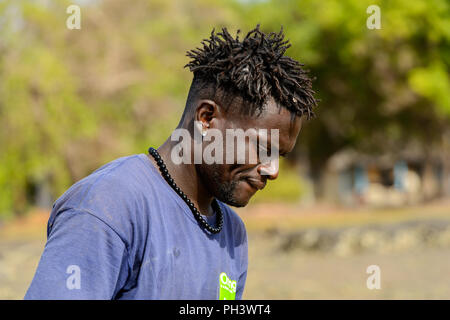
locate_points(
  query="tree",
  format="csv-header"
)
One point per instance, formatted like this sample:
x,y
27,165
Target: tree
x,y
380,90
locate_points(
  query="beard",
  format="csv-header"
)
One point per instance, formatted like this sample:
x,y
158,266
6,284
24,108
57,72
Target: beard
x,y
226,191
221,190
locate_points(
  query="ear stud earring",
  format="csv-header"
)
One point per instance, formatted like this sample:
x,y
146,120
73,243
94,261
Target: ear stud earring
x,y
204,130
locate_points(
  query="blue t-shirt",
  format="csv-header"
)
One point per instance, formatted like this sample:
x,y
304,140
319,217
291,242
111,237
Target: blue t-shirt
x,y
123,233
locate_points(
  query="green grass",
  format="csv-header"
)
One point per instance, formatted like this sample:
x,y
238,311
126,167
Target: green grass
x,y
288,187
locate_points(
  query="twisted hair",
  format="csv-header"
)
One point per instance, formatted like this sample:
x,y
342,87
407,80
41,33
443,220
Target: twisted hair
x,y
256,68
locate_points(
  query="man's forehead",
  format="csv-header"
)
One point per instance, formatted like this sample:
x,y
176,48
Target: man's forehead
x,y
289,125
273,116
278,116
286,134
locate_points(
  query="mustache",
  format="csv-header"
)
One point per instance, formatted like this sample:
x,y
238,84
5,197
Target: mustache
x,y
257,182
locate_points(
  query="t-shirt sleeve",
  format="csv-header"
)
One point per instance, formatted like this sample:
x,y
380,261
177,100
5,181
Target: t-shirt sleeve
x,y
84,258
244,264
241,285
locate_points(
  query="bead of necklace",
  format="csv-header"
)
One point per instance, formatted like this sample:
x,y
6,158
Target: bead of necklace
x,y
215,205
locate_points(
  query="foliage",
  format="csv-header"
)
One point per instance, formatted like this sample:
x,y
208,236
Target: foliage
x,y
379,88
72,100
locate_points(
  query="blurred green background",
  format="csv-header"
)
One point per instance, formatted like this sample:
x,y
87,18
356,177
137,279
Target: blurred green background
x,y
374,163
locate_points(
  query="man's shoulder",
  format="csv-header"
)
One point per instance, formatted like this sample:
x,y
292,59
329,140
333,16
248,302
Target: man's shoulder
x,y
112,193
124,170
113,181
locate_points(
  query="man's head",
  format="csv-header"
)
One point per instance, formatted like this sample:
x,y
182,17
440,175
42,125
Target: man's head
x,y
246,85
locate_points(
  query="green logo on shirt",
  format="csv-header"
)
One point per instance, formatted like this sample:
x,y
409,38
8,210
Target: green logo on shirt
x,y
227,287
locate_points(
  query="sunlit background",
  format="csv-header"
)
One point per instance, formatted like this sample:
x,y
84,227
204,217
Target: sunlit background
x,y
367,184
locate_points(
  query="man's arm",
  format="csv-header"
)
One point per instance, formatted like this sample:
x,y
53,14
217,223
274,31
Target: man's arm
x,y
83,258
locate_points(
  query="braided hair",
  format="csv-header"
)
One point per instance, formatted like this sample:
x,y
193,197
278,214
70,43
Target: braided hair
x,y
256,68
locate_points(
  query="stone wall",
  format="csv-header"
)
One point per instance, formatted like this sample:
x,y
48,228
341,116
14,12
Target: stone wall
x,y
370,238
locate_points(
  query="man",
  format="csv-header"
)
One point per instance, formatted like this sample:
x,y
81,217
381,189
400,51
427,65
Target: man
x,y
157,226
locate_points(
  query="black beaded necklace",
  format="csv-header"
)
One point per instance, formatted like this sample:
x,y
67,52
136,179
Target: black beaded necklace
x,y
165,173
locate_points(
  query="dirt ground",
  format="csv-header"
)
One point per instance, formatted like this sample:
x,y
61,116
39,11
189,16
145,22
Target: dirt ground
x,y
273,273
416,274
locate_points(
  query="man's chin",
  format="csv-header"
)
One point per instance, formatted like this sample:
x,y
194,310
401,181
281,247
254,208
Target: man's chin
x,y
237,194
238,203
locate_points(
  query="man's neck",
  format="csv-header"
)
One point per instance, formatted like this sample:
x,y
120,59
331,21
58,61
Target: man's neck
x,y
186,178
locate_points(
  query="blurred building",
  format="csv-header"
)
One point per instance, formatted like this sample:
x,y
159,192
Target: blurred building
x,y
408,177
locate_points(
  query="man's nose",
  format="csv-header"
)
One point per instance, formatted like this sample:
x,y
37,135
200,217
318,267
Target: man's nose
x,y
269,169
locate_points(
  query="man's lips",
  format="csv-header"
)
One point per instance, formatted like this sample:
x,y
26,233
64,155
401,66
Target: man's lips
x,y
256,183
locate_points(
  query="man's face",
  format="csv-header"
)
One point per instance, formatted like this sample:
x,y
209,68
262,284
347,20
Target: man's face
x,y
234,183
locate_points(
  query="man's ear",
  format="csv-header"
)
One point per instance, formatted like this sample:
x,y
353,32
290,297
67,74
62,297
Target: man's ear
x,y
206,112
